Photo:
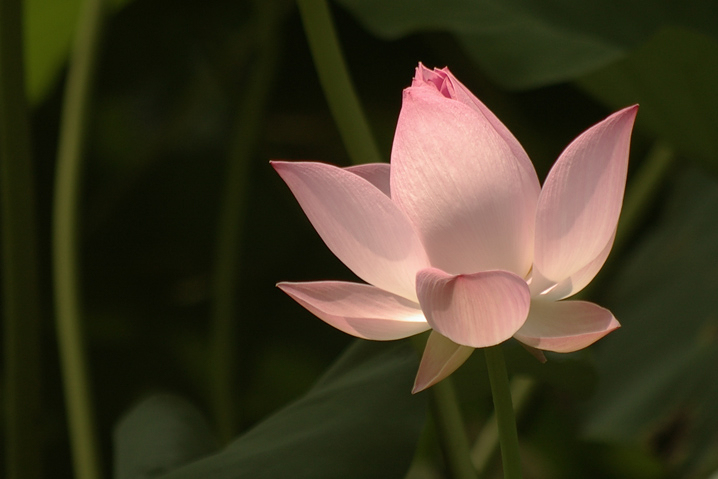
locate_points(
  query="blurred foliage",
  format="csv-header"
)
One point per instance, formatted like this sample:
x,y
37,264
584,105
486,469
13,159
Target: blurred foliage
x,y
358,409
525,44
666,398
672,76
49,30
165,110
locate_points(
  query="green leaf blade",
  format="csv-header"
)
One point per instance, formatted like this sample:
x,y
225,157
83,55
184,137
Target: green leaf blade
x,y
360,420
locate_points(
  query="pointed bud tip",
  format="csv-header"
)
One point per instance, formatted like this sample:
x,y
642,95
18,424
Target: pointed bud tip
x,y
277,164
629,111
419,388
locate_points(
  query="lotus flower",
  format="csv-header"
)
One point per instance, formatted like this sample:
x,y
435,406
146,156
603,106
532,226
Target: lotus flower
x,y
456,234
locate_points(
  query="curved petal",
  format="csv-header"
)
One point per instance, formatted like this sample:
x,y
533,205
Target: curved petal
x,y
375,173
581,199
471,199
565,326
358,223
476,310
449,86
574,283
441,357
359,309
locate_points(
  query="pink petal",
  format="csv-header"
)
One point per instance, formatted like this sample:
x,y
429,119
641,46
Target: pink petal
x,y
441,357
359,224
581,199
375,173
476,310
547,290
565,326
450,87
470,197
359,309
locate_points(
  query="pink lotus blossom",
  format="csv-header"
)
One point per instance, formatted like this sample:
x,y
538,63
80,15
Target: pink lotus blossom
x,y
457,235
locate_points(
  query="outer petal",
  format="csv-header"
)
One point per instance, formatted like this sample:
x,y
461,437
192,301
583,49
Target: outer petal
x,y
581,199
544,289
375,173
476,310
470,197
449,86
359,224
441,357
359,309
565,326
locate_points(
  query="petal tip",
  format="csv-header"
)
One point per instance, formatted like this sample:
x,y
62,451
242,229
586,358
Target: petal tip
x,y
536,353
422,383
276,163
628,114
418,388
280,166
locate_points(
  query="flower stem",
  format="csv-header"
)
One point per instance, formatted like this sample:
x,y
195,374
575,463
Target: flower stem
x,y
336,82
20,282
508,438
488,439
73,363
450,426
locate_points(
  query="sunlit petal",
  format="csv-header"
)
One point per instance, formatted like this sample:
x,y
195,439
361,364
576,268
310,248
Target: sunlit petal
x,y
361,310
375,173
441,357
359,224
449,86
476,310
461,184
574,283
565,326
581,199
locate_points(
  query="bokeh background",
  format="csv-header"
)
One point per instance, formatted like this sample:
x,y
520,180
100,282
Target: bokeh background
x,y
176,108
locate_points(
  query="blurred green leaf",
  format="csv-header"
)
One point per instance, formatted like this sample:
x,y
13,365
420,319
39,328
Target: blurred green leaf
x,y
160,434
572,373
658,381
49,30
673,78
360,420
526,44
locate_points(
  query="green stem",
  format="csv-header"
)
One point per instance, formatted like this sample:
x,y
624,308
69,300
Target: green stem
x,y
336,82
450,427
508,438
229,238
71,345
488,439
20,283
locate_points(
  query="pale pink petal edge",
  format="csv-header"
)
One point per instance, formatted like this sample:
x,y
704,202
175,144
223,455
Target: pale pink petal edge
x,y
581,199
359,309
476,310
441,357
565,326
377,174
359,224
